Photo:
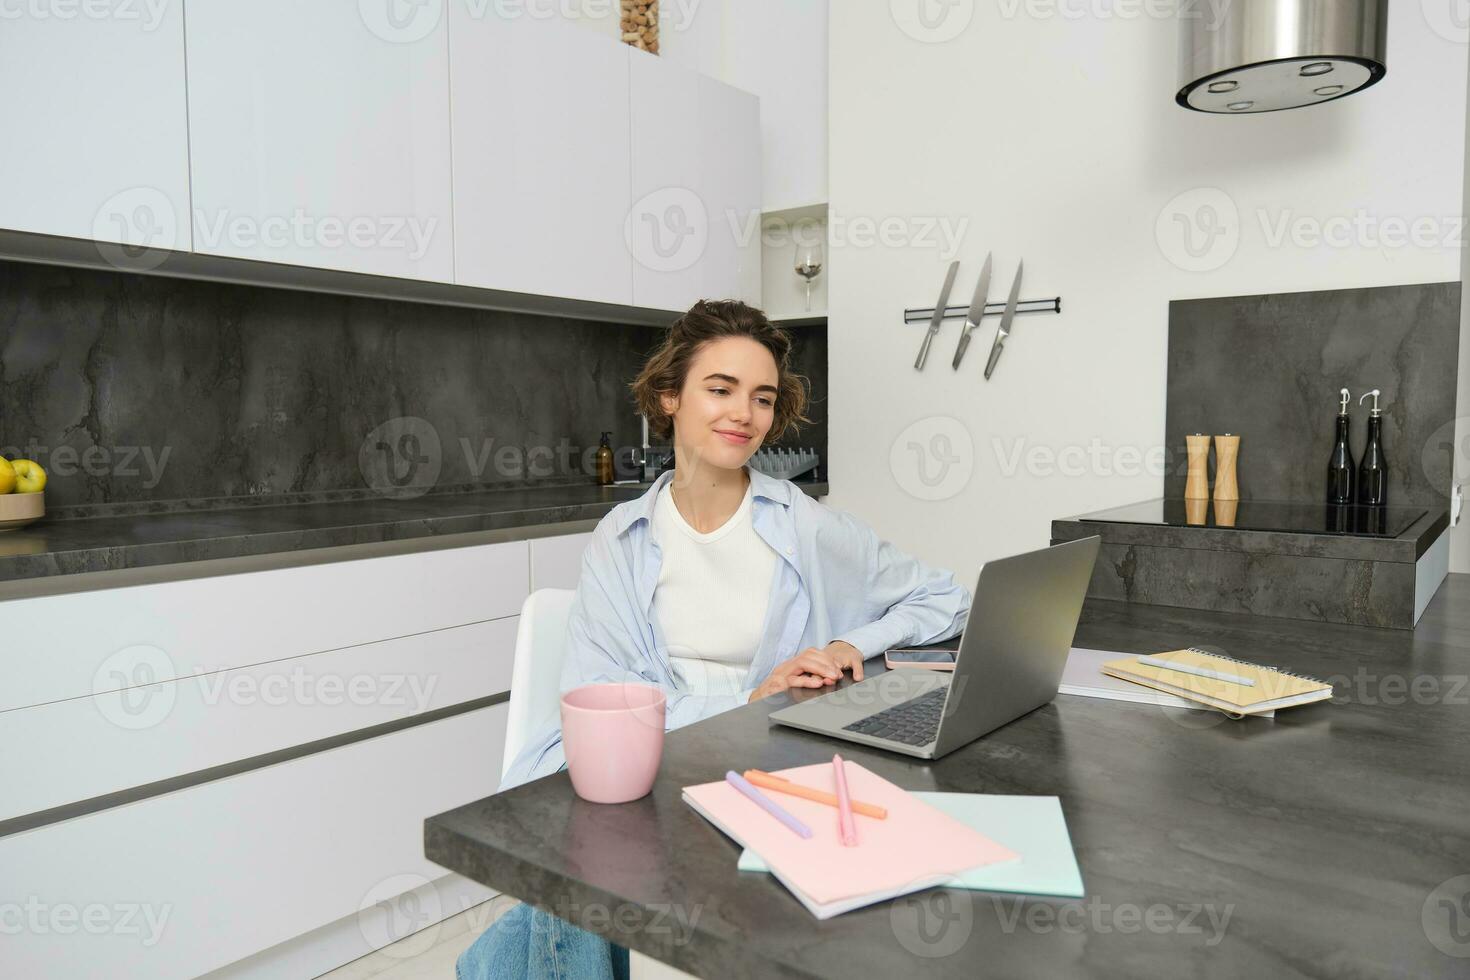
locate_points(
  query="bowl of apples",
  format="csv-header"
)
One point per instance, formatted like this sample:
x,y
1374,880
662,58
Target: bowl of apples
x,y
21,499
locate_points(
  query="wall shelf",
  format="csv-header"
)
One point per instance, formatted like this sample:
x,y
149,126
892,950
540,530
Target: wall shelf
x,y
797,212
817,318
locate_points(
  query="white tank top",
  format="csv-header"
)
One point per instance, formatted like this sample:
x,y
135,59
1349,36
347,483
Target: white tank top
x,y
711,595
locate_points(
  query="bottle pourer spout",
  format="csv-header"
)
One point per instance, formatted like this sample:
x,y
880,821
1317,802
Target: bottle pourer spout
x,y
1346,397
1374,395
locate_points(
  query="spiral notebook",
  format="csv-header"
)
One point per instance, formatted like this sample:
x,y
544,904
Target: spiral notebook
x,y
1236,687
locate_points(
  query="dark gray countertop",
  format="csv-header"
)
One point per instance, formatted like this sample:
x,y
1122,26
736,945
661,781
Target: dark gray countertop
x,y
1407,546
1316,845
102,544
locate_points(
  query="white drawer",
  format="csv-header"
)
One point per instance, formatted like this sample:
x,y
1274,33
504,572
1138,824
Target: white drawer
x,y
85,747
75,645
241,864
556,563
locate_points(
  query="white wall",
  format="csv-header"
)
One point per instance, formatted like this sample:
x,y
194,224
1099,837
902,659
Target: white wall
x,y
776,49
1056,138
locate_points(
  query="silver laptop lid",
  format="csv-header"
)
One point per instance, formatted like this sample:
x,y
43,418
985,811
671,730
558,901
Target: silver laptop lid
x,y
1016,639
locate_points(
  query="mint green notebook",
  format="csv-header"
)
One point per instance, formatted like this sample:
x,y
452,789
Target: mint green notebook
x,y
1032,826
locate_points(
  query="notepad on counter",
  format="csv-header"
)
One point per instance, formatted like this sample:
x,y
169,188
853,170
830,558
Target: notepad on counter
x,y
1083,677
1233,686
1032,826
916,847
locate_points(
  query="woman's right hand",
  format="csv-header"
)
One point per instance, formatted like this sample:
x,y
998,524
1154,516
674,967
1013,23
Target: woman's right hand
x,y
812,668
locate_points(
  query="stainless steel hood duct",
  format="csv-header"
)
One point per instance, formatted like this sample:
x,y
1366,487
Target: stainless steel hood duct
x,y
1243,56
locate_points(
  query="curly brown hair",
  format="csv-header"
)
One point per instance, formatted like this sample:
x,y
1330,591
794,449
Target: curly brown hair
x,y
708,320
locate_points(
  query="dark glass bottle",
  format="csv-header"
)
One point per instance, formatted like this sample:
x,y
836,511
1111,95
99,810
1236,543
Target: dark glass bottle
x,y
605,461
1341,473
1372,472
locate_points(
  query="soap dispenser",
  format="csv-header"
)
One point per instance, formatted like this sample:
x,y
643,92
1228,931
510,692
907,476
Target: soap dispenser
x,y
1373,471
604,461
1341,473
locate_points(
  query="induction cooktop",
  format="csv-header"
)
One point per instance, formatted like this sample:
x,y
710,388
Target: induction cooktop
x,y
1266,515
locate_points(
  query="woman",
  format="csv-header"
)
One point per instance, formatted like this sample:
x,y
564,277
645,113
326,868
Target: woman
x,y
720,584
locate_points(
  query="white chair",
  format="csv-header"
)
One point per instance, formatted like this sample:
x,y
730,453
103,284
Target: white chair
x,y
535,677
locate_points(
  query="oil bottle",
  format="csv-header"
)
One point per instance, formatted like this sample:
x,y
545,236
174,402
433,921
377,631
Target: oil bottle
x,y
1341,473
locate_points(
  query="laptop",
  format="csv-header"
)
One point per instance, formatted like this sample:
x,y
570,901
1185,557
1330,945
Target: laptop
x,y
1011,654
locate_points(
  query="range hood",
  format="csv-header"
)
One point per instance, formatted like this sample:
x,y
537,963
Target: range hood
x,y
1243,56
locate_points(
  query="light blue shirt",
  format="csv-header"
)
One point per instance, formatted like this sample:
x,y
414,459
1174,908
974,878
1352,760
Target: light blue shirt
x,y
835,580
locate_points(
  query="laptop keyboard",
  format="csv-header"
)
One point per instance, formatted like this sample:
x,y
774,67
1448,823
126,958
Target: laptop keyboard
x,y
915,722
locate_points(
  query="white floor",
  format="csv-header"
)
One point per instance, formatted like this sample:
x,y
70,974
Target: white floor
x,y
427,955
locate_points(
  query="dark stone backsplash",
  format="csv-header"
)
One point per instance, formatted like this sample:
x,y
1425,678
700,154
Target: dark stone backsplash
x,y
133,388
1268,369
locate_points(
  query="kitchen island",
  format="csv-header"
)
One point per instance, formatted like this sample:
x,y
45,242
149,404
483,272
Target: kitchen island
x,y
1331,841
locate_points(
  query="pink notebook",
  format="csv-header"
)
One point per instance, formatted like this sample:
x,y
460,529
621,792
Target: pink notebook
x,y
915,848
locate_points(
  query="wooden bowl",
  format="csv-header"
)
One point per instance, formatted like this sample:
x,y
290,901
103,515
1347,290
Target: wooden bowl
x,y
20,509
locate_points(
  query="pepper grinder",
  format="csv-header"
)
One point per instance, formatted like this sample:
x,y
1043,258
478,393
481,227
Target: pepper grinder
x,y
1197,483
1227,448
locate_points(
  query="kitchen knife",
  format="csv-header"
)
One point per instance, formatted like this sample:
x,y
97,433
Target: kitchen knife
x,y
977,310
938,317
1004,330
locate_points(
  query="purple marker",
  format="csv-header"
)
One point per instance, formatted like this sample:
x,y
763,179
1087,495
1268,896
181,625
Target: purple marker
x,y
764,802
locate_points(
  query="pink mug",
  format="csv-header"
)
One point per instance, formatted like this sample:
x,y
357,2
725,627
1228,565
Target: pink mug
x,y
613,735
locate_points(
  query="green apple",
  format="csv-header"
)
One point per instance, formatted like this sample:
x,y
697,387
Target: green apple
x,y
7,476
29,477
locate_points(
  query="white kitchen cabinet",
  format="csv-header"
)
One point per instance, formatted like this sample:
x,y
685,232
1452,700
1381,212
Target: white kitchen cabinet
x,y
556,562
112,639
319,135
144,684
732,40
730,178
541,155
95,123
83,748
668,226
694,228
194,880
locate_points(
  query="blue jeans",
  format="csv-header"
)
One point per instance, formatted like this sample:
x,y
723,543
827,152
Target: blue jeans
x,y
526,943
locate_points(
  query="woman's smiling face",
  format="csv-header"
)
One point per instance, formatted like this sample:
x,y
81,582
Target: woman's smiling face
x,y
728,402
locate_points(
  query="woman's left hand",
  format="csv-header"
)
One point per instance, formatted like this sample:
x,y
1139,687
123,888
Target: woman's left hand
x,y
842,656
